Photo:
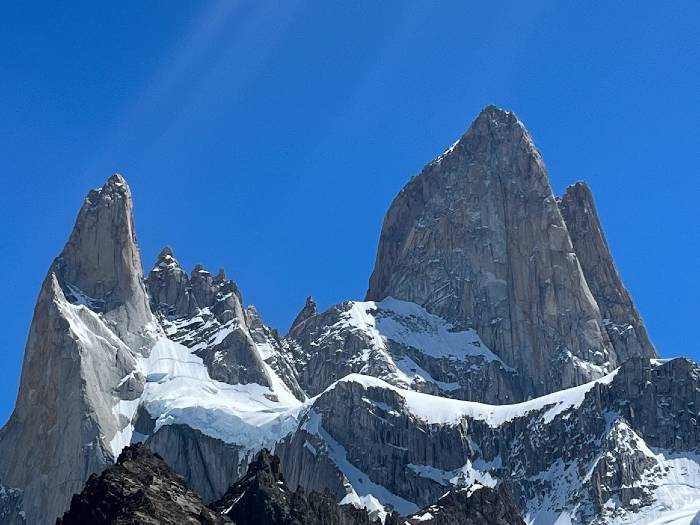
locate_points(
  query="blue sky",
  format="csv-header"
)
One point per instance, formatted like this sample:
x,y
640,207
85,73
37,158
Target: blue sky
x,y
269,138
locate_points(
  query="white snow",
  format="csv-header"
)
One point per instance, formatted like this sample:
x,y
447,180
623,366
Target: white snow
x,y
409,326
440,410
181,392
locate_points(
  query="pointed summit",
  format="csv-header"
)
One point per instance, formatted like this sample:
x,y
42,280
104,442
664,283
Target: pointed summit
x,y
168,286
622,320
91,320
309,310
166,253
477,238
101,263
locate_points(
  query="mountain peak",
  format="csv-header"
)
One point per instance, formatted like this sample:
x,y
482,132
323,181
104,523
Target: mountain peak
x,y
477,238
497,115
101,261
167,251
139,488
309,310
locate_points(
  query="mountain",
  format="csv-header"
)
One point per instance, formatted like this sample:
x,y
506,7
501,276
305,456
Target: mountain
x,y
263,497
139,489
474,505
496,348
91,323
478,239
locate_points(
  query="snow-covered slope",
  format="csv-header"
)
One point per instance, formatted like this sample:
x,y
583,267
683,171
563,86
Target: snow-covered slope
x,y
597,453
401,343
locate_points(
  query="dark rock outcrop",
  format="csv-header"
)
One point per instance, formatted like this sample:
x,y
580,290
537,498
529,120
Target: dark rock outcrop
x,y
474,505
139,489
309,310
262,497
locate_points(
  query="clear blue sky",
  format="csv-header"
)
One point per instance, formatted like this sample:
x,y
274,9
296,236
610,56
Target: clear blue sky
x,y
270,137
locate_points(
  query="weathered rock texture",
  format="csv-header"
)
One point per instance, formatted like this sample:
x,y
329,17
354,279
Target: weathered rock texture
x,y
402,344
622,320
478,239
208,465
589,455
262,497
308,311
91,316
140,489
474,505
201,306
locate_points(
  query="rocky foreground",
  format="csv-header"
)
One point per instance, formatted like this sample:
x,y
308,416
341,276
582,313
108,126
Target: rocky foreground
x,y
141,489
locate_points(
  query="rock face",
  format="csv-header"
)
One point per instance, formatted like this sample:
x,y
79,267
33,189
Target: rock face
x,y
478,239
139,489
621,318
262,497
308,311
403,344
101,262
91,320
474,505
487,293
209,305
208,465
621,448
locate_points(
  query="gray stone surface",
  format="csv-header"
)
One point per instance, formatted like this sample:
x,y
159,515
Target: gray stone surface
x,y
208,465
326,347
478,239
91,313
620,316
601,459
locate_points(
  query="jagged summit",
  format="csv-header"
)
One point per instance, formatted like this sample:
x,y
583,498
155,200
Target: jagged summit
x,y
486,288
620,316
497,116
309,310
478,239
166,253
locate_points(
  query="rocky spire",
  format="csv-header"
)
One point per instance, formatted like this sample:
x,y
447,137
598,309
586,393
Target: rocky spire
x,y
90,320
622,320
309,310
101,263
478,239
168,286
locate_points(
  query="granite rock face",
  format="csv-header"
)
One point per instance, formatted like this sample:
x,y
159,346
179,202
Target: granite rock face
x,y
474,505
478,239
621,318
205,313
91,321
140,489
208,465
101,263
403,344
620,448
486,288
308,311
